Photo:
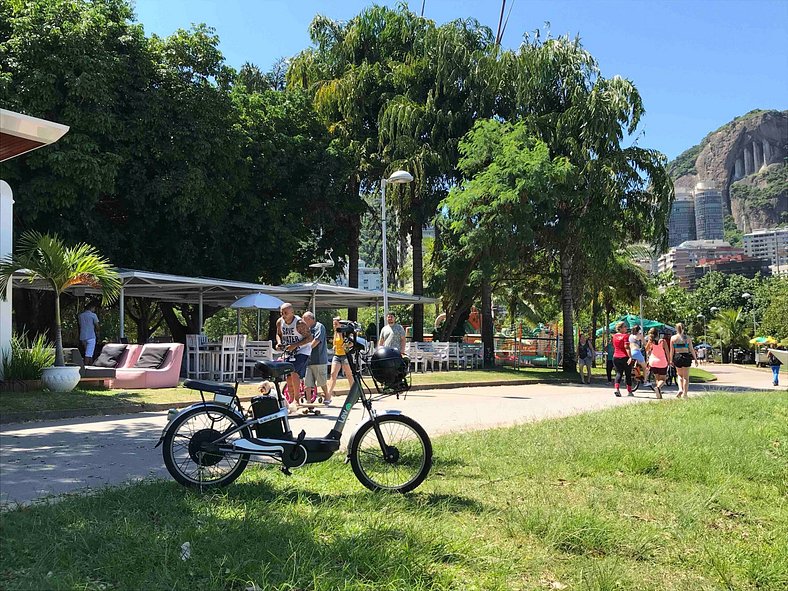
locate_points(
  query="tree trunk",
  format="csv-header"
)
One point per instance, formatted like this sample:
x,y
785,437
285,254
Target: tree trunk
x,y
143,312
273,316
488,333
568,363
418,280
190,314
59,361
594,316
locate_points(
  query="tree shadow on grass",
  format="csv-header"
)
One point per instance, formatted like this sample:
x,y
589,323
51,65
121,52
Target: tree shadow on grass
x,y
132,538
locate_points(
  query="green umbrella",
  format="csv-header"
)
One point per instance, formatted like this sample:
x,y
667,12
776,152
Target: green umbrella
x,y
632,320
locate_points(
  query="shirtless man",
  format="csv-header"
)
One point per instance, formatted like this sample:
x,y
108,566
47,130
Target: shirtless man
x,y
293,335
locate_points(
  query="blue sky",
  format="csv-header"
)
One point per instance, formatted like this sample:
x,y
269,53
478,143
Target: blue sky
x,y
697,63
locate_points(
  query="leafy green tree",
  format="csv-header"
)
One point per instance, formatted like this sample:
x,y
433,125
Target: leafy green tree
x,y
774,320
555,87
46,258
729,329
496,211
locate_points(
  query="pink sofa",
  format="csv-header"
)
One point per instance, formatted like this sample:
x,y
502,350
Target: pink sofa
x,y
166,376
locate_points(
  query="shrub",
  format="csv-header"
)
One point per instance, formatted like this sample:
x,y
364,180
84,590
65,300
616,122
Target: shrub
x,y
27,358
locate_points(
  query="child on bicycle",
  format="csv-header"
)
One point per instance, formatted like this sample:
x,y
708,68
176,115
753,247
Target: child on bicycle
x,y
636,350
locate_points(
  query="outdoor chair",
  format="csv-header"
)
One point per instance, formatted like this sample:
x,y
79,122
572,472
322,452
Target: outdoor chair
x,y
428,353
416,357
227,369
455,356
156,366
440,355
198,358
257,351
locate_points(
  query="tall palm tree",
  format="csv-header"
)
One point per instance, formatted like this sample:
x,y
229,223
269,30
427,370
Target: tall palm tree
x,y
729,329
46,258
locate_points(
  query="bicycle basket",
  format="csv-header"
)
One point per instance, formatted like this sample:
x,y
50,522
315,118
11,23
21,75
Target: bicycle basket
x,y
389,371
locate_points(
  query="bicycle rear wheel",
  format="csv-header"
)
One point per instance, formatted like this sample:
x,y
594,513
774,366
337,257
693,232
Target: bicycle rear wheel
x,y
189,454
407,458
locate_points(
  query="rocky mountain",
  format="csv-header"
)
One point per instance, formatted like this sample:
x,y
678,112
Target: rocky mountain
x,y
748,160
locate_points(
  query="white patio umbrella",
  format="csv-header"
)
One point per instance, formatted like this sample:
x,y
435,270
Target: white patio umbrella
x,y
258,301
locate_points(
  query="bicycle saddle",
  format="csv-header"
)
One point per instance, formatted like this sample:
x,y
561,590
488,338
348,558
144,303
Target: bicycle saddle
x,y
205,386
274,369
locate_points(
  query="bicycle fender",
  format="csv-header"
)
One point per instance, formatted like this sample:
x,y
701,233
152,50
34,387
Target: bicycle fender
x,y
360,425
166,428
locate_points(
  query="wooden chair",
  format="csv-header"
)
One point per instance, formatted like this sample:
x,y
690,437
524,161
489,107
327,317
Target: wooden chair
x,y
228,358
198,360
440,355
257,351
416,357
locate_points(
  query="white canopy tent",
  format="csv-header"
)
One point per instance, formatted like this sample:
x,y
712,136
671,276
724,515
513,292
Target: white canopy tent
x,y
224,292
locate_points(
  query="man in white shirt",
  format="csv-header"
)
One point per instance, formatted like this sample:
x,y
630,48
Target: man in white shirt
x,y
88,325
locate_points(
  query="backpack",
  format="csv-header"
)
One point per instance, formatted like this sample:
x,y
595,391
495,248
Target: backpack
x,y
583,350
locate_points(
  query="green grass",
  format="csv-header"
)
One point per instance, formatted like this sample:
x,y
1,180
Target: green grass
x,y
670,496
84,399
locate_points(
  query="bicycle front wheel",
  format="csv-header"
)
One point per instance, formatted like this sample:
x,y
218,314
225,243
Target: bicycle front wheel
x,y
398,463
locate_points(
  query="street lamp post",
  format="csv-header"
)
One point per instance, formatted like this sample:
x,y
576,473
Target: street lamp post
x,y
397,178
703,319
748,296
714,310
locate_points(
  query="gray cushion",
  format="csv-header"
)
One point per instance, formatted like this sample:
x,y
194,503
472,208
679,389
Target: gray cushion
x,y
152,357
110,355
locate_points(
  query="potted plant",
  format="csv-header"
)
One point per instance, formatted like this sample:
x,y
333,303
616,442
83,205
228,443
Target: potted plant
x,y
24,362
44,257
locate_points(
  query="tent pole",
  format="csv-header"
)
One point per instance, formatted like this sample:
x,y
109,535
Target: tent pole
x,y
641,312
122,311
199,314
258,324
377,322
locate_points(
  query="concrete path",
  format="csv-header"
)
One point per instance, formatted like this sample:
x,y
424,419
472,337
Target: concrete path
x,y
53,457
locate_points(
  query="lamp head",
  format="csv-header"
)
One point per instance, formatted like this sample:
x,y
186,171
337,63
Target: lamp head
x,y
399,177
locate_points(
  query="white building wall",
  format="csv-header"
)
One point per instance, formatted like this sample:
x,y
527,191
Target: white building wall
x,y
6,243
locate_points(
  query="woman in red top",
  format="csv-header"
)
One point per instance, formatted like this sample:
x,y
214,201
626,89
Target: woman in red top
x,y
621,357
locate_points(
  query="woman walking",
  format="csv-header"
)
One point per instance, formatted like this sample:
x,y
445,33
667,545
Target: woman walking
x,y
621,358
657,350
338,361
682,354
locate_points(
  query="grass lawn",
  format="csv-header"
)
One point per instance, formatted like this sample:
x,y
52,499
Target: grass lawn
x,y
689,495
95,399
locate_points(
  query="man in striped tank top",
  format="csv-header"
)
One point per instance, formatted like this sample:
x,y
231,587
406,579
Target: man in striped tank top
x,y
293,336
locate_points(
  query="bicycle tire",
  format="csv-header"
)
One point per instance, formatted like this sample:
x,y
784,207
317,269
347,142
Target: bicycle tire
x,y
176,468
377,473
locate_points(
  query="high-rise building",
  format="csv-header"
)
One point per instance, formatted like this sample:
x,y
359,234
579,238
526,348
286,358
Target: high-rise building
x,y
683,258
681,226
771,245
708,212
368,277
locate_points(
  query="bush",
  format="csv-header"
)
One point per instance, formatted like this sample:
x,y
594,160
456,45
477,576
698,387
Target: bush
x,y
27,358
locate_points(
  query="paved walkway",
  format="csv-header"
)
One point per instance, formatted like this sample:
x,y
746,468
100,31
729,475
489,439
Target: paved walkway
x,y
53,457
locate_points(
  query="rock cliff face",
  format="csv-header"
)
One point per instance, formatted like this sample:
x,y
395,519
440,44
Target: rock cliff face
x,y
746,159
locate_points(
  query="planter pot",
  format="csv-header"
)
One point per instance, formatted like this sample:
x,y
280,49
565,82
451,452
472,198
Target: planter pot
x,y
60,379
